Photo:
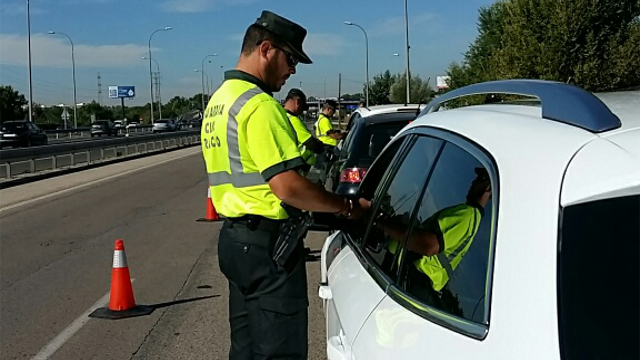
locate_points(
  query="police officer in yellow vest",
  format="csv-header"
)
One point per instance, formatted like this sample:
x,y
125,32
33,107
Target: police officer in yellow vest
x,y
295,103
437,246
328,136
252,157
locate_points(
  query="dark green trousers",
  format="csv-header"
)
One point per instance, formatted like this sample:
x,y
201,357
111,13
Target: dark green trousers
x,y
267,304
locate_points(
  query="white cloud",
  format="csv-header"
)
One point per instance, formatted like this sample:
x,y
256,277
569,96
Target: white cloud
x,y
195,6
54,51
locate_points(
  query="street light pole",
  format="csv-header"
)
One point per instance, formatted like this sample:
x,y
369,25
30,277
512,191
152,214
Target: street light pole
x,y
166,28
159,86
202,79
30,83
406,40
73,66
366,40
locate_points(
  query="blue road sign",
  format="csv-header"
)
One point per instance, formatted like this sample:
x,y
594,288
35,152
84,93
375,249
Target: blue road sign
x,y
117,92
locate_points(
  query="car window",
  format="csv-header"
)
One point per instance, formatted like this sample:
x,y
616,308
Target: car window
x,y
371,140
396,203
598,278
352,120
445,264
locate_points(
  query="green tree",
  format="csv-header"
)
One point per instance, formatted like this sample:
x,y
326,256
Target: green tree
x,y
380,88
593,43
11,103
420,90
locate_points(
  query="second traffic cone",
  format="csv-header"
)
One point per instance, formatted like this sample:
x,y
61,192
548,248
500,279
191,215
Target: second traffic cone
x,y
212,214
121,301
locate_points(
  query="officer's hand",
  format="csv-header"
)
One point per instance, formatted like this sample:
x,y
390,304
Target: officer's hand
x,y
360,208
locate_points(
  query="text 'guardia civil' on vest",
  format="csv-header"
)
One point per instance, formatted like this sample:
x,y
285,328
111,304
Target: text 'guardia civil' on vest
x,y
214,110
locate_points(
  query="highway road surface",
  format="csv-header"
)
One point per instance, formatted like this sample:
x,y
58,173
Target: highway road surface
x,y
56,247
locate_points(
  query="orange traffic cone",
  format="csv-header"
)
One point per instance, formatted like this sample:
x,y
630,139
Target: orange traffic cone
x,y
121,301
212,214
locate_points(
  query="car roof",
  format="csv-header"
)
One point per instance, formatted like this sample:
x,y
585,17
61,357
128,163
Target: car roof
x,y
388,108
389,117
587,165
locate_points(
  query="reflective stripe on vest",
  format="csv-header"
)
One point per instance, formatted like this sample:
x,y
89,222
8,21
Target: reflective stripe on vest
x,y
238,178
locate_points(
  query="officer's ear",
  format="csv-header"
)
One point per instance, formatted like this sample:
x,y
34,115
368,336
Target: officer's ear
x,y
263,50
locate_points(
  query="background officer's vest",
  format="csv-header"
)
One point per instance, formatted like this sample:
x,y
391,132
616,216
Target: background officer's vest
x,y
322,126
302,135
237,187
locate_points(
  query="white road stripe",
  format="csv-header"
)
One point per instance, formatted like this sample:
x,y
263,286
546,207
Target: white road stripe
x,y
67,333
75,188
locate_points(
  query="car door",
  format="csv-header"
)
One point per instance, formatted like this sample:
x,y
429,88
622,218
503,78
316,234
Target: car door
x,y
348,291
414,320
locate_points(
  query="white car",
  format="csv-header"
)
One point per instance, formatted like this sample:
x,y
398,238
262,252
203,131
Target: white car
x,y
163,125
506,230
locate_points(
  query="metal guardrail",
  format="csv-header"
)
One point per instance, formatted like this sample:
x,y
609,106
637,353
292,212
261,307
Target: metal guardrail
x,y
54,157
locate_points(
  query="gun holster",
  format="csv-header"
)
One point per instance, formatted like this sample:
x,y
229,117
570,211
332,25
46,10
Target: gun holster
x,y
291,234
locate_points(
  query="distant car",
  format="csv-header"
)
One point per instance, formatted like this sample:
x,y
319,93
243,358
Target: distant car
x,y
21,133
119,124
164,125
103,127
132,125
370,131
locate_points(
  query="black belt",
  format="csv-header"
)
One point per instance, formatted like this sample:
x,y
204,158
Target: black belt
x,y
255,222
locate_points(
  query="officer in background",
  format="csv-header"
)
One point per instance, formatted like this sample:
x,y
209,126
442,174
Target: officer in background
x,y
252,160
295,103
328,136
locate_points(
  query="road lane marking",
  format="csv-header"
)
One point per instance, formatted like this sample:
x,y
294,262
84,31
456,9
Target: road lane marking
x,y
77,187
67,333
70,330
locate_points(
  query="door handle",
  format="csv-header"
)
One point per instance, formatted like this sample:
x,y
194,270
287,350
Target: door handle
x,y
324,292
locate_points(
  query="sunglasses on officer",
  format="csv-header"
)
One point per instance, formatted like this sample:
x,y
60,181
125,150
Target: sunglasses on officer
x,y
292,61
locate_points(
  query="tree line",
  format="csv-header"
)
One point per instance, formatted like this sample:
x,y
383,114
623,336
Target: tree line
x,y
13,106
594,44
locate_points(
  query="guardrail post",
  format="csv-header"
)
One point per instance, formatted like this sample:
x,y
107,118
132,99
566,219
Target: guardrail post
x,y
126,149
101,154
88,157
54,162
73,159
32,165
8,170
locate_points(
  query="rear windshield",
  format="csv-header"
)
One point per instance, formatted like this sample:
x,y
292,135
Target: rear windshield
x,y
598,280
370,138
13,126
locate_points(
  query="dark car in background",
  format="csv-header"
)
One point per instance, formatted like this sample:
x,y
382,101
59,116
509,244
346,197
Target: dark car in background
x,y
21,133
103,127
370,131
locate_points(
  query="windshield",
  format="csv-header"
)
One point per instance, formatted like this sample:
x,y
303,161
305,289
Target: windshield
x,y
598,280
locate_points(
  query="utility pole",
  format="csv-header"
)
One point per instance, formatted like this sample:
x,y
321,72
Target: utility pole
x,y
156,84
406,40
339,102
99,90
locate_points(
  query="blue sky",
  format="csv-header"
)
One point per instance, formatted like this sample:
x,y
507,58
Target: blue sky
x,y
111,36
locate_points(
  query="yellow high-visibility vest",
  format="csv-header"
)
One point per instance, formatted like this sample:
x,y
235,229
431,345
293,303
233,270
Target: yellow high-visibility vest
x,y
323,125
246,140
303,135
